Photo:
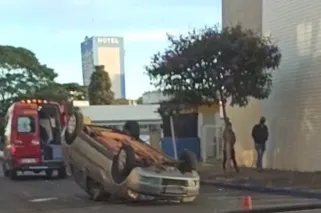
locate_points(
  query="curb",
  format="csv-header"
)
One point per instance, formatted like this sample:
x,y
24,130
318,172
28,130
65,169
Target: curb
x,y
292,208
266,189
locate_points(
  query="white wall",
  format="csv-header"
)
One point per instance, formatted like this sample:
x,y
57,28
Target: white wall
x,y
293,109
154,97
77,103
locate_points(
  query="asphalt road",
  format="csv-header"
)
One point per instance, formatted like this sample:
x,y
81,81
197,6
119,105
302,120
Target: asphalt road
x,y
33,194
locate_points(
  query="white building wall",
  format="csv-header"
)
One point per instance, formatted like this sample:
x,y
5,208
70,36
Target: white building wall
x,y
154,97
293,109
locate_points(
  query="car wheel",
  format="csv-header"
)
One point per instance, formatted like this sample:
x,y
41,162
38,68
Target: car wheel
x,y
94,190
62,173
73,127
49,173
132,129
123,163
188,162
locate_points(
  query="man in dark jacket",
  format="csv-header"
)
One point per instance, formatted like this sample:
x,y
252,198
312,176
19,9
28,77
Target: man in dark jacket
x,y
260,135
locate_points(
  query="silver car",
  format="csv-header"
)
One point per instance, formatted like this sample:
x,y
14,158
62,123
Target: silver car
x,y
108,163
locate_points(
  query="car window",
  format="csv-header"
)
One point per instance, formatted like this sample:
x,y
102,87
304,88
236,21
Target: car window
x,y
25,124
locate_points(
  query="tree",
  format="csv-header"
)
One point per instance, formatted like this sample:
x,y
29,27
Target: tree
x,y
52,91
121,101
212,66
20,73
139,100
99,89
60,92
75,91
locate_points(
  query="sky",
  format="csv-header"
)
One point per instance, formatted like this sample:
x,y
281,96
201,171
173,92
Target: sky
x,y
53,30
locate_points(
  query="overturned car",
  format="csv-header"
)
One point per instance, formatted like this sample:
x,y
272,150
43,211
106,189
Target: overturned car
x,y
107,162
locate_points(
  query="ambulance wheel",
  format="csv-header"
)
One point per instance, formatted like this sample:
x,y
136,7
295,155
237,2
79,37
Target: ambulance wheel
x,y
74,127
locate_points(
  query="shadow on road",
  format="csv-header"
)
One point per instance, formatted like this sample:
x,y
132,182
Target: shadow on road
x,y
140,203
37,177
155,203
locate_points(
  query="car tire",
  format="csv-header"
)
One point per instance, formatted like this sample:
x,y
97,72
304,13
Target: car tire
x,y
123,163
132,128
49,173
95,190
188,162
62,173
71,136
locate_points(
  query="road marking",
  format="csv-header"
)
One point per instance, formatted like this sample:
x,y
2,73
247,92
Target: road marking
x,y
37,200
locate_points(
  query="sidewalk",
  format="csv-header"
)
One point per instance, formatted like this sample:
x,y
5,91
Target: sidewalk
x,y
303,184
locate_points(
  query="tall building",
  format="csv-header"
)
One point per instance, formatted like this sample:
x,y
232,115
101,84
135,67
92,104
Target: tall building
x,y
246,12
293,109
107,51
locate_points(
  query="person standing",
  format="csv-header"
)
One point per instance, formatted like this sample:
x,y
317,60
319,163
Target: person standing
x,y
260,135
229,142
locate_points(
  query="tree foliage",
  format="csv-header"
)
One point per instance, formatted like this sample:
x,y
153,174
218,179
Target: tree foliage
x,y
99,89
75,91
139,100
212,66
121,101
20,73
59,92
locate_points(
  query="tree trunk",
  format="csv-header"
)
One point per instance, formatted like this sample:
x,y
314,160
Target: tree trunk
x,y
226,119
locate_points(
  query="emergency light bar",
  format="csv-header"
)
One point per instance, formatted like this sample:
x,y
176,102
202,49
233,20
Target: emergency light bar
x,y
34,101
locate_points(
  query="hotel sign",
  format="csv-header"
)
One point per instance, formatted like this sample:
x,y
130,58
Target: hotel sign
x,y
107,40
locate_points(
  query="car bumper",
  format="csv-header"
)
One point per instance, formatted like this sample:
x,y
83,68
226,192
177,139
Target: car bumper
x,y
156,186
38,166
